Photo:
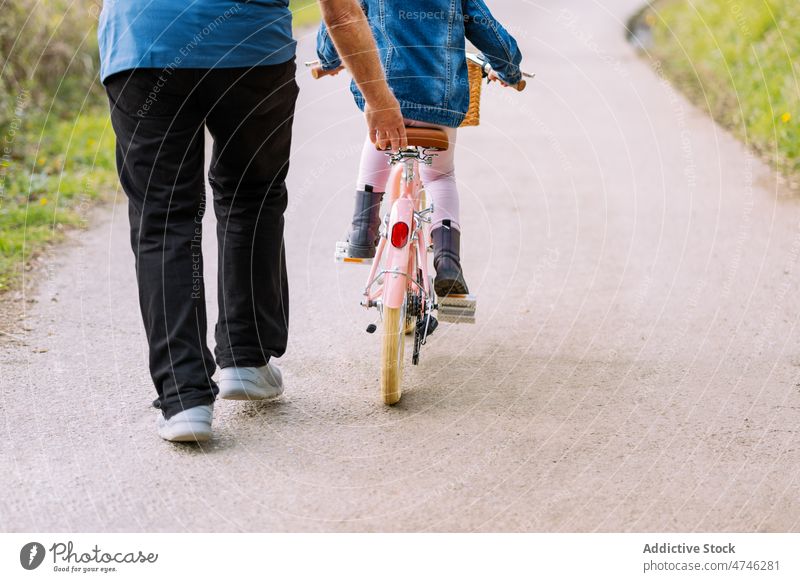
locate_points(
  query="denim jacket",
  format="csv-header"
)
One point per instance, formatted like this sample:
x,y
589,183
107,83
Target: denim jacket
x,y
422,47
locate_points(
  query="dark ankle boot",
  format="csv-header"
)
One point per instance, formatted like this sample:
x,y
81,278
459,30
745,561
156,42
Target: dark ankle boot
x,y
365,230
447,261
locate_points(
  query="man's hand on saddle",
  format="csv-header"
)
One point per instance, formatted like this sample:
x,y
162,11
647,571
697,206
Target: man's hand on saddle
x,y
385,122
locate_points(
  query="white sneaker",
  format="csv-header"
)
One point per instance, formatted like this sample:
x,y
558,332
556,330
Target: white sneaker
x,y
192,425
262,383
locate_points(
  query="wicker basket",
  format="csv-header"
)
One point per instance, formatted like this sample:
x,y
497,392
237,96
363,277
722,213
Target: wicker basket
x,y
475,84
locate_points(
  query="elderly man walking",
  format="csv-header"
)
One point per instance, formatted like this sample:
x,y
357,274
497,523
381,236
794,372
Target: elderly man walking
x,y
172,69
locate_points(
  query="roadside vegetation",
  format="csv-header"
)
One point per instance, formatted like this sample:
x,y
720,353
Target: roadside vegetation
x,y
739,59
56,145
56,150
304,13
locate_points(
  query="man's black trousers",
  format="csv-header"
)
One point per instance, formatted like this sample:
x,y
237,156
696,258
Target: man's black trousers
x,y
159,116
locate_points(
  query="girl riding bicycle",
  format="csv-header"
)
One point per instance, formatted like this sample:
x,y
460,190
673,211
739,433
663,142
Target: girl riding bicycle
x,y
422,48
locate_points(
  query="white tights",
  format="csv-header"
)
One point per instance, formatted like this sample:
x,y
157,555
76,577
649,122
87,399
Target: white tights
x,y
439,178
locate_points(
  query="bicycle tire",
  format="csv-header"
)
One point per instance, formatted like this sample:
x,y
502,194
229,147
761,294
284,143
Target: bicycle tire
x,y
392,351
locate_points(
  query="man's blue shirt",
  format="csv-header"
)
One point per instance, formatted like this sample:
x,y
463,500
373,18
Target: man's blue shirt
x,y
194,34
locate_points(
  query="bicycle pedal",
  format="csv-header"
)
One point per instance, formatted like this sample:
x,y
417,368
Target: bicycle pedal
x,y
458,308
340,256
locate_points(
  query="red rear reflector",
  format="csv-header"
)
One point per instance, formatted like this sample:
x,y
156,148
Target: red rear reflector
x,y
399,235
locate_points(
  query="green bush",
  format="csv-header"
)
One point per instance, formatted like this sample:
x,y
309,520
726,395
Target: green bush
x,y
305,13
50,61
739,59
56,152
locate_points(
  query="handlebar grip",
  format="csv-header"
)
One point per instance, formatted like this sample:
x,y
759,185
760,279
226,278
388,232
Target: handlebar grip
x,y
319,72
521,85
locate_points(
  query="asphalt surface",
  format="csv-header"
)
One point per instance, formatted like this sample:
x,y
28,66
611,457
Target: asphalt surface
x,y
635,365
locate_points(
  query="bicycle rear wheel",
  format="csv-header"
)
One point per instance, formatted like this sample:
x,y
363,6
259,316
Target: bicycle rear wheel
x,y
392,352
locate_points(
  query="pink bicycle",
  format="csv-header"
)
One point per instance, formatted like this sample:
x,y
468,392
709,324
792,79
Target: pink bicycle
x,y
399,285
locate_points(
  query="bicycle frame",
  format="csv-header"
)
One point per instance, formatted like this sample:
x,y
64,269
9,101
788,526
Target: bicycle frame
x,y
400,261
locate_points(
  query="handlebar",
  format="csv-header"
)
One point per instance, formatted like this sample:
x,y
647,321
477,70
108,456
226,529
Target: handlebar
x,y
486,68
317,72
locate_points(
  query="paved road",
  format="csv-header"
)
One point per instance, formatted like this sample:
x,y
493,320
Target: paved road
x,y
636,364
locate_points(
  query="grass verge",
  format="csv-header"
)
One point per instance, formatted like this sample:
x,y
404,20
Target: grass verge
x,y
50,173
739,60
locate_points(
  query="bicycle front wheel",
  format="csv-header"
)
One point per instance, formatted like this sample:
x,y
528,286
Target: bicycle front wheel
x,y
392,352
